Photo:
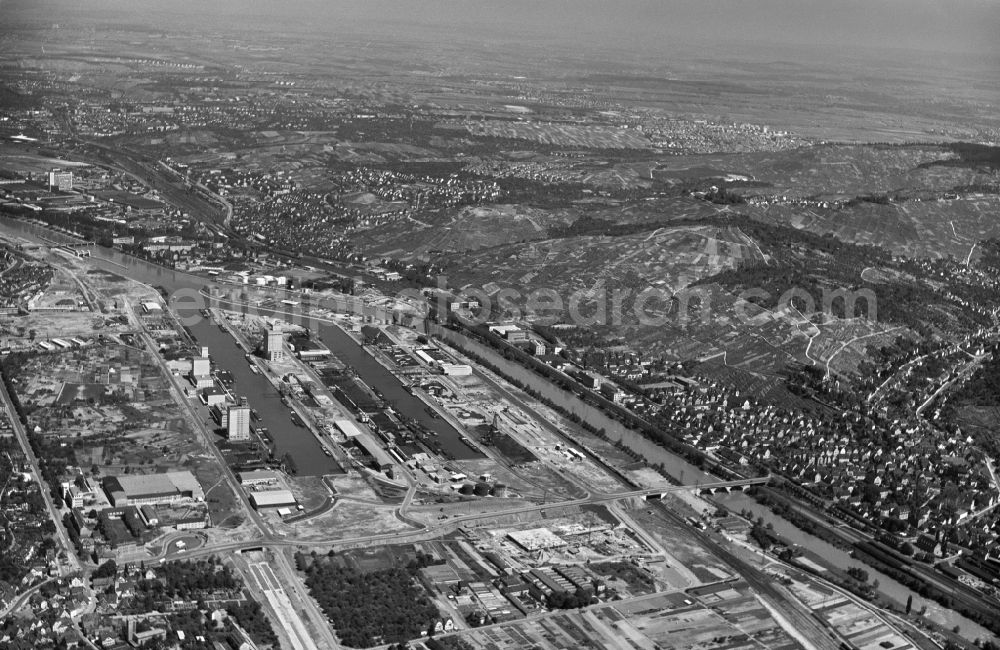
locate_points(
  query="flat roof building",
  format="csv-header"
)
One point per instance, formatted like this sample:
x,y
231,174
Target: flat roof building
x,y
211,396
347,428
308,348
456,369
259,477
272,499
143,489
536,539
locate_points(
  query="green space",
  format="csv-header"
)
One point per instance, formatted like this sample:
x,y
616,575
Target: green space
x,y
369,608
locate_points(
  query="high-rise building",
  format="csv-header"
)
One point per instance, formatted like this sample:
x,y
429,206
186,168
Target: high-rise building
x,y
238,426
274,342
61,180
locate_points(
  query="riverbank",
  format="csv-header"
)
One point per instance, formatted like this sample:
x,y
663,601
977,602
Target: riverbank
x,y
888,587
683,471
245,347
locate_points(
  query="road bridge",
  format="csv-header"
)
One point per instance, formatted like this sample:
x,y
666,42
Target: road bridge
x,y
436,529
703,488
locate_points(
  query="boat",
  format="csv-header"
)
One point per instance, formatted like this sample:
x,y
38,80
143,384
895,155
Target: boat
x,y
255,370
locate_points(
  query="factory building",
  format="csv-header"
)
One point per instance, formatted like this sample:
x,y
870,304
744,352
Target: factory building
x,y
456,369
308,348
272,499
347,428
212,396
143,489
257,477
380,458
588,379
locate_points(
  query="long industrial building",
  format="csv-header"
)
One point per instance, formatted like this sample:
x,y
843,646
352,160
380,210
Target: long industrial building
x,y
258,477
347,428
272,499
143,489
380,457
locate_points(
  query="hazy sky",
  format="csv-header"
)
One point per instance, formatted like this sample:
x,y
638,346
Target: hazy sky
x,y
928,25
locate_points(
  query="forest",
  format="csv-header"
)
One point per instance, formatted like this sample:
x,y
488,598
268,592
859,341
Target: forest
x,y
366,609
970,155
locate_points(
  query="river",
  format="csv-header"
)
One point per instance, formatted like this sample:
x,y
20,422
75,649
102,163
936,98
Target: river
x,y
227,355
674,465
738,501
689,474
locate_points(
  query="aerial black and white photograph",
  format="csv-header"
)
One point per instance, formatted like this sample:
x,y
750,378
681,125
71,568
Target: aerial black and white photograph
x,y
500,324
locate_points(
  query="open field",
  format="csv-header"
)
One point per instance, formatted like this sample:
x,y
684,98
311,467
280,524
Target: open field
x,y
461,229
345,519
564,135
685,550
934,229
504,159
15,158
673,619
830,171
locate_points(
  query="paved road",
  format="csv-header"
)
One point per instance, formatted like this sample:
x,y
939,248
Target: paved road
x,y
434,530
959,376
54,514
789,608
280,563
22,598
801,618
